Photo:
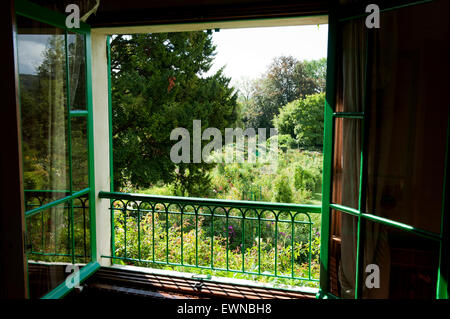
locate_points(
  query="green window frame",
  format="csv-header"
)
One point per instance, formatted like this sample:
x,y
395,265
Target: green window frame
x,y
35,12
360,213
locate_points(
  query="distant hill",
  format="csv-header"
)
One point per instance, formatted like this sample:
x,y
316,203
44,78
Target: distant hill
x,y
29,82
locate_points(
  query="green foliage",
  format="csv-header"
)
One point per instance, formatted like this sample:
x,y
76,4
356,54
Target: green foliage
x,y
45,134
302,119
298,179
44,118
282,191
157,85
286,80
285,142
49,236
255,181
304,179
167,238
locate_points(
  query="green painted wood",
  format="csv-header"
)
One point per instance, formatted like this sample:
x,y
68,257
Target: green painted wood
x,y
210,201
328,152
62,290
442,287
42,14
56,202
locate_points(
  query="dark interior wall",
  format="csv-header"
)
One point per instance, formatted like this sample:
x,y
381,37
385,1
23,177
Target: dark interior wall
x,y
197,11
141,12
12,258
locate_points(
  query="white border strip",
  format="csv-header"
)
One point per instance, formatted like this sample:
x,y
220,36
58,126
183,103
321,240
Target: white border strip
x,y
182,27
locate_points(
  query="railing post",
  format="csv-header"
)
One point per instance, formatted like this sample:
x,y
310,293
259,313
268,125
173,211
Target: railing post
x,y
100,102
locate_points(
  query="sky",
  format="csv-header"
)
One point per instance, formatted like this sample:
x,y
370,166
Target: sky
x,y
246,53
30,51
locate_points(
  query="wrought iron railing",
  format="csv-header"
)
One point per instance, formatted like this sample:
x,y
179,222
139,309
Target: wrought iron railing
x,y
59,233
245,239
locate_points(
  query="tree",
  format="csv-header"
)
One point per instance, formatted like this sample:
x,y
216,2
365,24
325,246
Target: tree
x,y
157,86
245,88
44,118
286,79
311,76
282,190
303,120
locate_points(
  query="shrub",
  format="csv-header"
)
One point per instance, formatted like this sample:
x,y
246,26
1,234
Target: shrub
x,y
282,190
304,179
303,120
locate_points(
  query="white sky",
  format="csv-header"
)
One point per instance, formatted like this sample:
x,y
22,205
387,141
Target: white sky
x,y
246,53
30,49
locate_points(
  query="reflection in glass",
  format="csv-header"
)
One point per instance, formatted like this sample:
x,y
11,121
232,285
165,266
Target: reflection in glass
x,y
407,264
77,70
41,51
408,117
79,142
58,236
346,162
343,244
82,240
350,77
51,245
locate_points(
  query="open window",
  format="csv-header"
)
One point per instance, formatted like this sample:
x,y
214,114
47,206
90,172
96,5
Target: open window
x,y
388,127
54,83
234,218
384,203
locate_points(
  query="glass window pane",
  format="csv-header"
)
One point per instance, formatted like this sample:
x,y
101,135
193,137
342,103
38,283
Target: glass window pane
x,y
346,162
82,229
407,264
50,243
80,171
408,117
350,77
77,70
343,245
349,98
42,79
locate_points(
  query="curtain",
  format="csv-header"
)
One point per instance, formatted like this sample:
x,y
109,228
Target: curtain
x,y
407,112
348,138
348,146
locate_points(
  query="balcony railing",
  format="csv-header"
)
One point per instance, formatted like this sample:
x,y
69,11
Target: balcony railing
x,y
59,233
271,242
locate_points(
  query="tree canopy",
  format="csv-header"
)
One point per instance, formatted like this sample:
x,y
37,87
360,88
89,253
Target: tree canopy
x,y
158,84
286,80
302,119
